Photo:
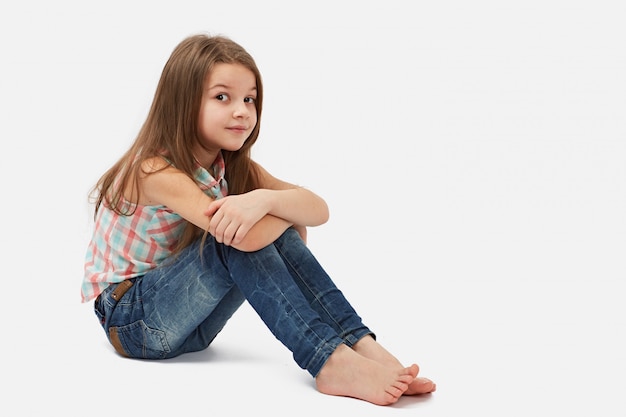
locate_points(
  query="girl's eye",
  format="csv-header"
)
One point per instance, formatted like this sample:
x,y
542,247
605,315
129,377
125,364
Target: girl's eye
x,y
221,97
249,100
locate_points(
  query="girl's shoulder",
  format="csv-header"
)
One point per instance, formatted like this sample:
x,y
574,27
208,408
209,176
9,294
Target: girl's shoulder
x,y
153,164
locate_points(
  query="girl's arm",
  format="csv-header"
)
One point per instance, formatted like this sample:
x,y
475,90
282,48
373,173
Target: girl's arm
x,y
293,203
170,187
234,217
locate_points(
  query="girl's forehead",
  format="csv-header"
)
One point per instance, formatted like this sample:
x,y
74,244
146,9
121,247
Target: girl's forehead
x,y
230,75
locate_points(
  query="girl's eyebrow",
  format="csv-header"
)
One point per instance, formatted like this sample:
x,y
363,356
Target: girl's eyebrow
x,y
211,87
224,86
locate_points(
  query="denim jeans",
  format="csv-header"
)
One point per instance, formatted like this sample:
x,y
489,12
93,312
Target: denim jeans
x,y
183,304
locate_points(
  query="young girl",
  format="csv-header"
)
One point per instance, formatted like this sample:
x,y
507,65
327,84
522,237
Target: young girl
x,y
188,226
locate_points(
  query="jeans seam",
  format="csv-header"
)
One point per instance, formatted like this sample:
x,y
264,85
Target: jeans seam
x,y
286,260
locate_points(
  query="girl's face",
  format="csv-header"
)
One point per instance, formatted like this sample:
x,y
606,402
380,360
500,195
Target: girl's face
x,y
227,112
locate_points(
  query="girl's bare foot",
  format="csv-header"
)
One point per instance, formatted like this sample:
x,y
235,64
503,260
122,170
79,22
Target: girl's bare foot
x,y
348,374
373,350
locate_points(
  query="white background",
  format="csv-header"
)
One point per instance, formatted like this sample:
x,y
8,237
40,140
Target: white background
x,y
472,154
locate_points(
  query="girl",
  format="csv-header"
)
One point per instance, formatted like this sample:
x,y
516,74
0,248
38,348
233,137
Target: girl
x,y
188,226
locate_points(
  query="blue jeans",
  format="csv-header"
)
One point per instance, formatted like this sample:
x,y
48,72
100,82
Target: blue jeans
x,y
183,304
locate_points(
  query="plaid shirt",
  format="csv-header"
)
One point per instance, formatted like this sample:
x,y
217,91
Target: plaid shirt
x,y
124,247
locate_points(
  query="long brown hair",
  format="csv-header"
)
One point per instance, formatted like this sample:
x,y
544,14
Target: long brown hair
x,y
171,127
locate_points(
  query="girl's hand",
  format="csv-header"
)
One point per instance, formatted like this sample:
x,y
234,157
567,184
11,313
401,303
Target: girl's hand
x,y
233,216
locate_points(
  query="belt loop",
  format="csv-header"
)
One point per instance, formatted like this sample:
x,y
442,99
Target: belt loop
x,y
121,289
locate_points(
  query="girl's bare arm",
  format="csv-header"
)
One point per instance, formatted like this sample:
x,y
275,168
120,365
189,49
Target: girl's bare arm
x,y
170,187
233,217
293,203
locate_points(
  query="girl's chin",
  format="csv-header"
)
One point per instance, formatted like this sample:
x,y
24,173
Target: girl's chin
x,y
234,146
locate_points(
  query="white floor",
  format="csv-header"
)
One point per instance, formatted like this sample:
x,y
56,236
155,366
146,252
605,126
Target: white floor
x,y
472,155
495,344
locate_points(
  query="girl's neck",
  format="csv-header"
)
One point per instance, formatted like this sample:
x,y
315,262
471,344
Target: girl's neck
x,y
205,157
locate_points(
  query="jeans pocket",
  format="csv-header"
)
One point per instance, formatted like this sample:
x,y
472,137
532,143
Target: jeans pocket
x,y
137,340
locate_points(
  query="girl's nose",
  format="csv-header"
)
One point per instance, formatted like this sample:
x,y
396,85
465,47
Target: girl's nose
x,y
241,110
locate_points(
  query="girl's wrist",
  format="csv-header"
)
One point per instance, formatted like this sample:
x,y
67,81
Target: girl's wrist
x,y
266,199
